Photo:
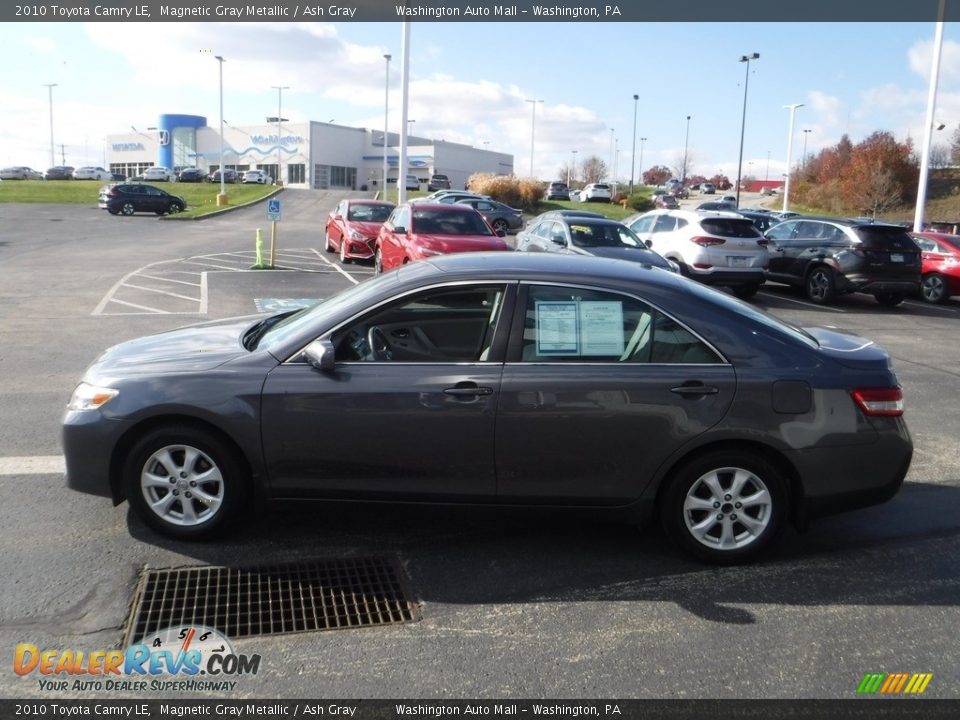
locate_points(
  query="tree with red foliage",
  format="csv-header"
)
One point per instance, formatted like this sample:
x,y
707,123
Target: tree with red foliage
x,y
657,175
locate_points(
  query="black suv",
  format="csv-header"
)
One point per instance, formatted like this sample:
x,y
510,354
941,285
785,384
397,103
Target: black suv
x,y
827,256
128,198
230,176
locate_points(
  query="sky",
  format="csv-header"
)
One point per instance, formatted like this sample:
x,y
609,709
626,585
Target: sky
x,y
469,83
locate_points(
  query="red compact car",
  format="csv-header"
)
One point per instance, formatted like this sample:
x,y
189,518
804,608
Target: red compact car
x,y
941,265
419,230
353,226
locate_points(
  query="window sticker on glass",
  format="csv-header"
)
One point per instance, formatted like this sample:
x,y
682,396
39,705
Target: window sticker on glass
x,y
557,332
581,228
601,328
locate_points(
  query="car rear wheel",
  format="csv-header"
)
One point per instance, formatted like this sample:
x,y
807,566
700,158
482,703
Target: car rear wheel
x,y
725,507
127,208
184,482
378,262
745,292
820,287
934,288
890,299
500,225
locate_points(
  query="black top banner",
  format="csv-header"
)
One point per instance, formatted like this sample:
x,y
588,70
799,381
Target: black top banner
x,y
853,11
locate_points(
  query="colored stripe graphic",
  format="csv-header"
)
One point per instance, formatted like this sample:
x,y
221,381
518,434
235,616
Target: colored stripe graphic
x,y
894,683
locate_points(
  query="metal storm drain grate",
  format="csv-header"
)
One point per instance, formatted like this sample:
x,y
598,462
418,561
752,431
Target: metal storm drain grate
x,y
300,597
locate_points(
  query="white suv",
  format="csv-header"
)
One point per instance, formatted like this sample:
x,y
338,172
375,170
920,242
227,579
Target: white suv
x,y
595,192
716,248
159,172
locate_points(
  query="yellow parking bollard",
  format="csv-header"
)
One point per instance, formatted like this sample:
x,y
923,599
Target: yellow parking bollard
x,y
258,265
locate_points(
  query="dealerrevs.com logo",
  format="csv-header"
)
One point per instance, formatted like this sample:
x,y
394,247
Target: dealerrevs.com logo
x,y
894,683
202,656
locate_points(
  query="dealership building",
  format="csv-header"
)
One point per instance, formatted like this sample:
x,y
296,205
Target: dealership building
x,y
310,154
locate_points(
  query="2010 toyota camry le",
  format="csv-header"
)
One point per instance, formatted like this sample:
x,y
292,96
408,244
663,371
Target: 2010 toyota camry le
x,y
513,379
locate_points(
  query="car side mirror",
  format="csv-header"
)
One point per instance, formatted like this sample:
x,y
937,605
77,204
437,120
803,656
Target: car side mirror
x,y
558,240
320,354
399,229
648,243
500,233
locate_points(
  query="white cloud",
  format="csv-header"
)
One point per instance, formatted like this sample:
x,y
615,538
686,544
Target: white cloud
x,y
920,57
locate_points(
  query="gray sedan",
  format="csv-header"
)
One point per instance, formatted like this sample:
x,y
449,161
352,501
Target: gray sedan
x,y
498,215
502,379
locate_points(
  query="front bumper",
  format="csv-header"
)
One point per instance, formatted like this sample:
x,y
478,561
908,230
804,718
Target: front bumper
x,y
89,444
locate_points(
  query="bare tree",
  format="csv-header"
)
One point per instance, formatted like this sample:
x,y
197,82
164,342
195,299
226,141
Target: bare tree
x,y
939,155
679,169
955,146
881,193
593,169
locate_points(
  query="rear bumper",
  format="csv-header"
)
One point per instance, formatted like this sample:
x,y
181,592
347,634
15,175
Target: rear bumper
x,y
907,284
723,276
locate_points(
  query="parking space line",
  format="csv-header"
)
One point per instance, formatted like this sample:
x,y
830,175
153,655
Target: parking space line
x,y
930,306
163,279
203,293
161,292
801,302
140,307
339,269
209,265
33,465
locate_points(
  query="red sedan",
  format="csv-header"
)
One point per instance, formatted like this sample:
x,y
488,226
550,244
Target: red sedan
x,y
420,230
353,226
941,265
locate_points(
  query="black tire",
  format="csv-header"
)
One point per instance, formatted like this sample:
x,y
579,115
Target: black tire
x,y
692,480
745,292
112,211
327,245
127,208
343,252
214,472
934,288
500,225
377,262
890,299
174,208
161,212
820,287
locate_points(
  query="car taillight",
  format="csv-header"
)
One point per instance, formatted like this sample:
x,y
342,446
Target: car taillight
x,y
705,241
883,402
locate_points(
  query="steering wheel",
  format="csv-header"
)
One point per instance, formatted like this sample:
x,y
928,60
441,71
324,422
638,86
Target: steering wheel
x,y
379,345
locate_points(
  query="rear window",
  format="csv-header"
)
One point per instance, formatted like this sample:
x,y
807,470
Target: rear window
x,y
601,187
878,237
730,227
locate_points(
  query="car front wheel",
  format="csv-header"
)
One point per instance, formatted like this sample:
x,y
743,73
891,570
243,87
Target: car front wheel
x,y
378,262
725,507
128,208
934,288
500,226
184,482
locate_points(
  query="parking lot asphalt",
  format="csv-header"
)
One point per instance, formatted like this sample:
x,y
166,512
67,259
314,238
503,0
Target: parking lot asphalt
x,y
513,605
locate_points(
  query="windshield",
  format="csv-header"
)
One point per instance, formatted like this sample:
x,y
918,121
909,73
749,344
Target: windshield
x,y
586,235
369,213
438,222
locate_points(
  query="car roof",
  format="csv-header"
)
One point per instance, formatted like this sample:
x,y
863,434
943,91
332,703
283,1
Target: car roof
x,y
445,207
364,201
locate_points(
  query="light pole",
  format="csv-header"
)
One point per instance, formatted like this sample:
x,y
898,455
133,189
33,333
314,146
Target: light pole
x,y
928,129
786,186
50,87
766,175
743,120
805,134
279,89
633,145
386,123
533,125
610,168
222,197
640,169
686,143
404,108
572,172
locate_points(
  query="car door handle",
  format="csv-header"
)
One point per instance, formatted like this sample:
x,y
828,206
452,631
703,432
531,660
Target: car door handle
x,y
468,389
694,389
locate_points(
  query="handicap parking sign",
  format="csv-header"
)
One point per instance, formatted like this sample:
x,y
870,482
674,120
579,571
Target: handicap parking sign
x,y
273,209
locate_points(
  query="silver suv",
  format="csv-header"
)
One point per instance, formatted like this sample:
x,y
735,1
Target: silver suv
x,y
716,248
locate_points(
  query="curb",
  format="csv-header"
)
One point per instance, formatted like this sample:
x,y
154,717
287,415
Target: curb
x,y
220,211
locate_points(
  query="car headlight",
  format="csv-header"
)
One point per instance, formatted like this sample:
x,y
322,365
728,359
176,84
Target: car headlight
x,y
357,236
90,397
429,252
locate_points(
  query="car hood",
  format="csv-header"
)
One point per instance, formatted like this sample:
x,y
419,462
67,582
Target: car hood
x,y
460,243
367,229
626,253
190,349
